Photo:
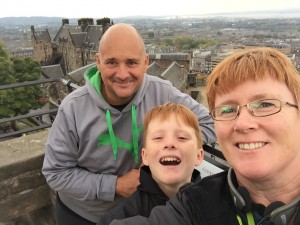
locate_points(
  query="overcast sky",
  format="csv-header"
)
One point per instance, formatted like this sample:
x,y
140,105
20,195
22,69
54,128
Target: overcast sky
x,y
120,8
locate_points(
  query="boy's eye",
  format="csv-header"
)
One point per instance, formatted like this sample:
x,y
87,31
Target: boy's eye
x,y
182,138
157,138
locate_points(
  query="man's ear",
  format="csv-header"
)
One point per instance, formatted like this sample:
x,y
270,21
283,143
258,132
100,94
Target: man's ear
x,y
199,157
147,60
98,60
144,157
146,63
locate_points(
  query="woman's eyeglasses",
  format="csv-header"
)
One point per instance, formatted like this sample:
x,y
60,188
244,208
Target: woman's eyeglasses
x,y
260,108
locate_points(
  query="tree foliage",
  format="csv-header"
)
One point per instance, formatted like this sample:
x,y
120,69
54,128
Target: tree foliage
x,y
16,70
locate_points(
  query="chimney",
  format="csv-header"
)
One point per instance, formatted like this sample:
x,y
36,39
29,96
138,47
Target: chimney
x,y
84,22
105,23
65,21
181,76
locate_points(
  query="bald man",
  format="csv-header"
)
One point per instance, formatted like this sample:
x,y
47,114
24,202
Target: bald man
x,y
92,154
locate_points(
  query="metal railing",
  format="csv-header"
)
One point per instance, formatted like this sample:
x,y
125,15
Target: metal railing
x,y
51,112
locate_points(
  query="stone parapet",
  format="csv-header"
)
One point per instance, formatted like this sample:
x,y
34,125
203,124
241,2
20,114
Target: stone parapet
x,y
24,194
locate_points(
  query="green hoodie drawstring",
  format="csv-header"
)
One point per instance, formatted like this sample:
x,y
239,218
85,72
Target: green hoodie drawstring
x,y
111,134
135,134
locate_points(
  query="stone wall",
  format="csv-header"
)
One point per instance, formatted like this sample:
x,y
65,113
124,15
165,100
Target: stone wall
x,y
24,195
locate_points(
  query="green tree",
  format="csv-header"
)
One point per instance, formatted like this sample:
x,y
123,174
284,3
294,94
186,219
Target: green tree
x,y
20,100
25,98
6,77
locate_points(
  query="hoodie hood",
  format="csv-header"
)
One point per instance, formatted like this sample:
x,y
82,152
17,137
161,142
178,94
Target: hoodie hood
x,y
149,185
92,75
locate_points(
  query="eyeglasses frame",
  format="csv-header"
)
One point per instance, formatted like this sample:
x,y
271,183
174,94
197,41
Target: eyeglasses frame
x,y
239,107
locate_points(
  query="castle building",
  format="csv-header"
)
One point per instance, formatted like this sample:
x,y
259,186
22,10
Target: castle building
x,y
73,47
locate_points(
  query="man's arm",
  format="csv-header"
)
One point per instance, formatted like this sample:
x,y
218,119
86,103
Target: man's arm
x,y
61,168
172,213
128,183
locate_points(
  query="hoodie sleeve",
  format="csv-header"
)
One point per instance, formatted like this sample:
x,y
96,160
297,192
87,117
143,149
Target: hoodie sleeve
x,y
61,170
205,120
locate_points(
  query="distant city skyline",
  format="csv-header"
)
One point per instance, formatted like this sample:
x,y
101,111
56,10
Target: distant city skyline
x,y
122,8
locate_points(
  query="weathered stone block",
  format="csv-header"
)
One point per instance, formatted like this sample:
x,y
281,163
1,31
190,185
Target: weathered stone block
x,y
24,203
25,198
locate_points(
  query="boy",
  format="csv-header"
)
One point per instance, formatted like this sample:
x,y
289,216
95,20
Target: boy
x,y
172,148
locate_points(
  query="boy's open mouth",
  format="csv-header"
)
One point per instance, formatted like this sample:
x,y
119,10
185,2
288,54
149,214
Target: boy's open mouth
x,y
167,161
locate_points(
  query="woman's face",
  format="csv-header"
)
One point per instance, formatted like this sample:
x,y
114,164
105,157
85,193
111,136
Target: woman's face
x,y
260,147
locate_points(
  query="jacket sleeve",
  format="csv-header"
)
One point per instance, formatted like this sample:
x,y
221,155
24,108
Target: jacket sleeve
x,y
136,220
128,208
172,213
205,120
61,170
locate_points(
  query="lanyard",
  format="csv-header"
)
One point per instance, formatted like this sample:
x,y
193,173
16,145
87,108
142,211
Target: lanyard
x,y
250,219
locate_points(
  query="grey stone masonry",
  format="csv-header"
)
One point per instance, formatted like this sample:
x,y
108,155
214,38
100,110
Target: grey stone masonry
x,y
24,194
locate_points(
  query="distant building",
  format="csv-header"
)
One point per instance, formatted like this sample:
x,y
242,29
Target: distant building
x,y
73,46
200,61
23,53
175,73
216,59
165,59
282,47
